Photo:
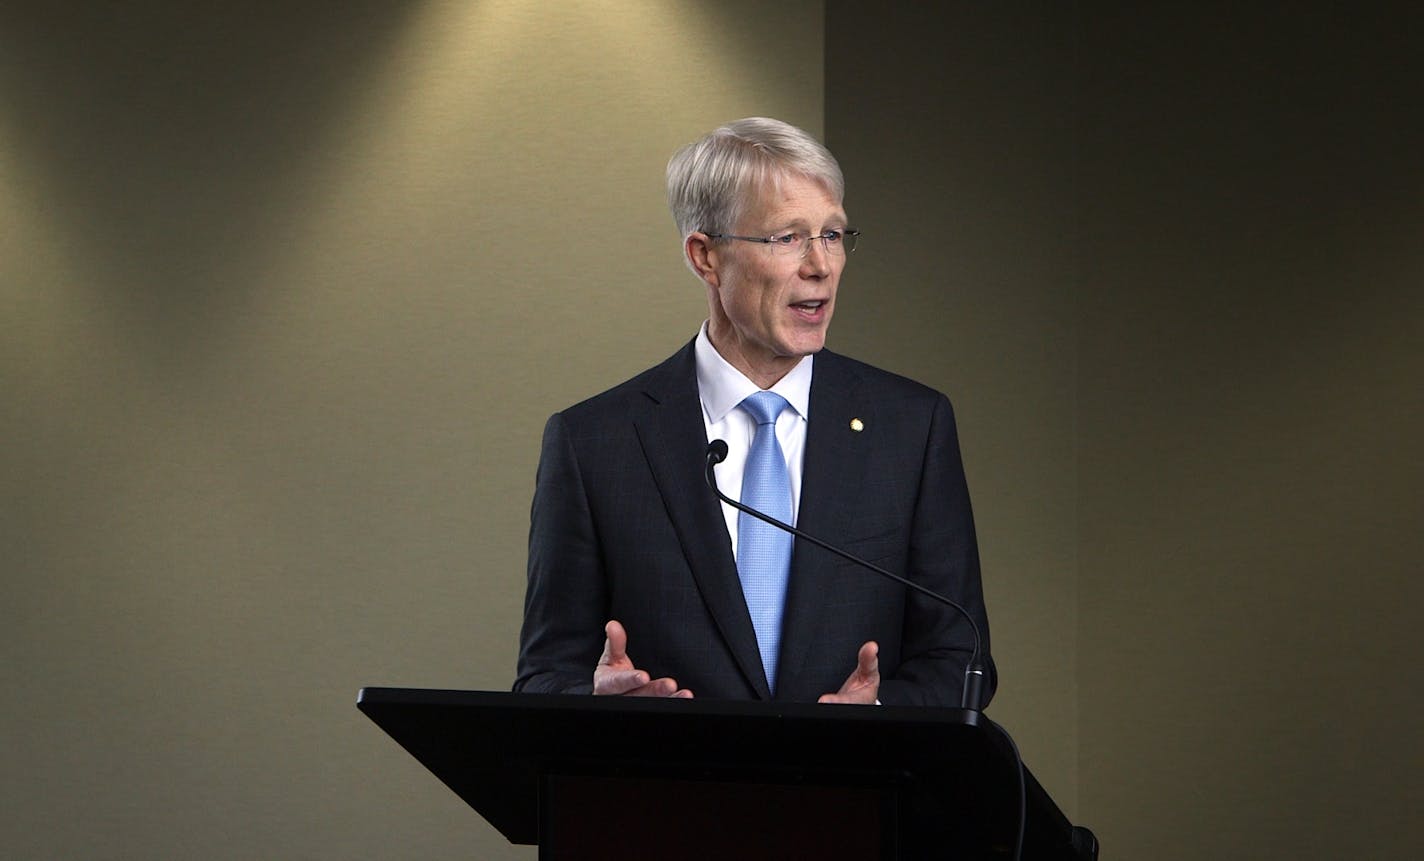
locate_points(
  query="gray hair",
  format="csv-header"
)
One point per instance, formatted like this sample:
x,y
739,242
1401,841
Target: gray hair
x,y
710,181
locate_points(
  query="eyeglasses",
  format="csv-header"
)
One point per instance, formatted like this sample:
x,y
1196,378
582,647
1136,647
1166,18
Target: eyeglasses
x,y
833,242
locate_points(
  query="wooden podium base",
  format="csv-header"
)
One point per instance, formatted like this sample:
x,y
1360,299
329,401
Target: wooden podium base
x,y
591,818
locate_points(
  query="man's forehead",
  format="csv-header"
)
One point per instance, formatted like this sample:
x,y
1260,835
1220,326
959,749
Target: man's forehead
x,y
792,197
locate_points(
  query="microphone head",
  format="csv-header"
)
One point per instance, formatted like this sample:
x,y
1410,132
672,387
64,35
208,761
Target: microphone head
x,y
716,451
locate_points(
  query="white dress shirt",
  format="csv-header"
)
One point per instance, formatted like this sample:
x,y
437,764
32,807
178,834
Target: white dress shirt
x,y
721,388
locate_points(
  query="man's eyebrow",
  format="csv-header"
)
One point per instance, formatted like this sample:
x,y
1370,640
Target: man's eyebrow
x,y
839,220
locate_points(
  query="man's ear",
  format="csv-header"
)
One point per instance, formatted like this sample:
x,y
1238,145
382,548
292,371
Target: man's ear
x,y
702,257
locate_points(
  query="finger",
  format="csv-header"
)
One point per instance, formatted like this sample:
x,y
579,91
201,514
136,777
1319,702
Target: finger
x,y
663,687
613,682
860,696
615,647
863,684
868,660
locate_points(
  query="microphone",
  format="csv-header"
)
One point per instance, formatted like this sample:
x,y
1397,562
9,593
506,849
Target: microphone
x,y
974,674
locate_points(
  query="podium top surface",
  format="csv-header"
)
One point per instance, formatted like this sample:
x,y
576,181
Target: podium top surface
x,y
493,748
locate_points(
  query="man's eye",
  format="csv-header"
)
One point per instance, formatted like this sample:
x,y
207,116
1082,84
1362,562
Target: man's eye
x,y
833,237
787,239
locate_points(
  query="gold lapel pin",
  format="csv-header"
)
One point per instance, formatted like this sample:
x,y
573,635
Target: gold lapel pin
x,y
857,425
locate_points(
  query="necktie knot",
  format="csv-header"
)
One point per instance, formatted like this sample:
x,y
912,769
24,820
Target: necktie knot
x,y
764,407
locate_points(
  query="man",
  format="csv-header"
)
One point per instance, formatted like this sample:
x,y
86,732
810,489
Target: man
x,y
641,582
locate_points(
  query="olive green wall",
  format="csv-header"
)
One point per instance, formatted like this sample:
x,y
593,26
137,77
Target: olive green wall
x,y
1169,265
289,291
1251,507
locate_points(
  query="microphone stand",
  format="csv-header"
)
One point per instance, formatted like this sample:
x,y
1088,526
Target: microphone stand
x,y
972,698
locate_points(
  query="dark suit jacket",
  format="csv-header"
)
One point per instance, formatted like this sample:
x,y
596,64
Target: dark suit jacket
x,y
623,527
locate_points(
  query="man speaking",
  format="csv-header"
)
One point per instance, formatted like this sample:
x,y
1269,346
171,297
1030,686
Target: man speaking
x,y
641,582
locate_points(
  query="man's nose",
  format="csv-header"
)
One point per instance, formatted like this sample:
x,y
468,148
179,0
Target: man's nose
x,y
817,259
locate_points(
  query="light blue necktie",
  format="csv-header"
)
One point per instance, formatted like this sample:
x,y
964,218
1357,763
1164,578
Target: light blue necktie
x,y
763,551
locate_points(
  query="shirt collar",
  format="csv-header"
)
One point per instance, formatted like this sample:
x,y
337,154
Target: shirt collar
x,y
721,386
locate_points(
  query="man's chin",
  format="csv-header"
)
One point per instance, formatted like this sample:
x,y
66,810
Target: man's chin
x,y
807,345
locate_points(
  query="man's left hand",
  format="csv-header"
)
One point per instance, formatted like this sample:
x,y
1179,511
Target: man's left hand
x,y
863,685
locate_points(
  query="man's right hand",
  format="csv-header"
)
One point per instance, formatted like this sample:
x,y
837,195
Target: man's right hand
x,y
615,673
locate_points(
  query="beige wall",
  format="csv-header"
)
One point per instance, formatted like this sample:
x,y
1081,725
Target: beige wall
x,y
287,298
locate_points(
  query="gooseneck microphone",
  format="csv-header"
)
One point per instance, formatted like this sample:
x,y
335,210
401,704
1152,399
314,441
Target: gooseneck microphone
x,y
973,697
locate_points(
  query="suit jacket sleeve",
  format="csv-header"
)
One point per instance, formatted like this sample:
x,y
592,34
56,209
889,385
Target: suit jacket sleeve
x,y
943,554
566,602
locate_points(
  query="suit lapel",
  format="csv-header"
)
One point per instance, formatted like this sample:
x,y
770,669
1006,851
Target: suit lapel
x,y
832,473
674,440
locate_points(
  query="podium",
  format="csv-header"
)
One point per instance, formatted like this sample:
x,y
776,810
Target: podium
x,y
588,777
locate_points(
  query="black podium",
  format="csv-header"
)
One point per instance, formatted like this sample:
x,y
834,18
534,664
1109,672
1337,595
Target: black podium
x,y
612,777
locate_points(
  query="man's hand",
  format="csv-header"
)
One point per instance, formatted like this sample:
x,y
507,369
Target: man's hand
x,y
863,685
615,673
